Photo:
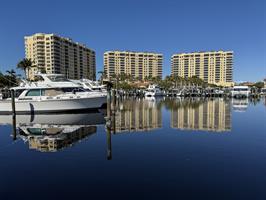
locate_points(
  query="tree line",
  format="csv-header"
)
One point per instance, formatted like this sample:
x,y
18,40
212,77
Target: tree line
x,y
10,78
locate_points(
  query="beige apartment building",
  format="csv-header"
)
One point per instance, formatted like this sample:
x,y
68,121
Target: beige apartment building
x,y
212,115
214,67
54,54
137,64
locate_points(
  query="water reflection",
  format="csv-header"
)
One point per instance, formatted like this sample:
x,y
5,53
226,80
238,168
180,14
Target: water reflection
x,y
185,114
54,132
51,138
93,118
137,115
199,114
158,156
50,133
240,105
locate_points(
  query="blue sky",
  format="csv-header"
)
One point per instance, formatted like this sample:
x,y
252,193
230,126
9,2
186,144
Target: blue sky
x,y
166,26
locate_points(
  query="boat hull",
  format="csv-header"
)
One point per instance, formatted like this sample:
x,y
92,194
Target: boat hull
x,y
53,106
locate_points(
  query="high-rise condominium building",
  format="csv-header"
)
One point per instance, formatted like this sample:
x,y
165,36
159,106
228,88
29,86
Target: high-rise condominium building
x,y
59,55
137,64
215,67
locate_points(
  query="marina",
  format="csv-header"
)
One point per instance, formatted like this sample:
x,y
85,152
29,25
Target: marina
x,y
133,100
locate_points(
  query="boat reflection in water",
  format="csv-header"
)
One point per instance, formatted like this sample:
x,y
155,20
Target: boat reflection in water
x,y
50,133
240,105
51,138
199,114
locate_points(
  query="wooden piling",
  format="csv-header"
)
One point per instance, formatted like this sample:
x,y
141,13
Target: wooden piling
x,y
13,102
14,124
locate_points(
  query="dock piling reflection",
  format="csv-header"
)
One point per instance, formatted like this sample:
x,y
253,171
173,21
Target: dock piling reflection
x,y
14,127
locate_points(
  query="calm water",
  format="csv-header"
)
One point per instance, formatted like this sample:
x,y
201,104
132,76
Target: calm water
x,y
151,149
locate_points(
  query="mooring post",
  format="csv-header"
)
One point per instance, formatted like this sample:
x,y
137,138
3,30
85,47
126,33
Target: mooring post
x,y
109,110
14,125
13,102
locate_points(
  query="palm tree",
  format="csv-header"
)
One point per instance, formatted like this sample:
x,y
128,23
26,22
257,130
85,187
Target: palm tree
x,y
11,72
25,65
103,76
2,80
11,77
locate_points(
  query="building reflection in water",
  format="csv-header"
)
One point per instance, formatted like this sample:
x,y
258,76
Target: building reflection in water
x,y
197,114
136,115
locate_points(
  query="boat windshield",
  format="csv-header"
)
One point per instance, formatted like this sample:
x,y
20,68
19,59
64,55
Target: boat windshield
x,y
240,89
58,79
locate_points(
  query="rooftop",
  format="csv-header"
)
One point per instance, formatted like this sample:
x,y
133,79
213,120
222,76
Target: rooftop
x,y
52,34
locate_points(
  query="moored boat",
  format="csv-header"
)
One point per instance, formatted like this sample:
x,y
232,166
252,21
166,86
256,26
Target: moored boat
x,y
52,94
240,91
153,91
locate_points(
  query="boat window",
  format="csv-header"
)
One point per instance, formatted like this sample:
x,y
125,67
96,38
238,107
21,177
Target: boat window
x,y
72,90
51,92
67,89
240,89
35,92
78,90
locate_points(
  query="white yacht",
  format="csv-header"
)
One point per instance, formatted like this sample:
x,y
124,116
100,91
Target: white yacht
x,y
52,93
240,91
153,91
90,85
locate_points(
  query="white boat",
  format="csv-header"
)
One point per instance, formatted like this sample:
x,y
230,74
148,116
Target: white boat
x,y
240,91
90,85
52,94
153,91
